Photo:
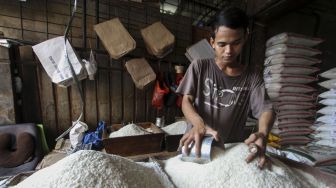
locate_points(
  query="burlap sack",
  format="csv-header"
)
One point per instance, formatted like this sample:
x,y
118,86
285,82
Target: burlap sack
x,y
115,38
141,72
158,39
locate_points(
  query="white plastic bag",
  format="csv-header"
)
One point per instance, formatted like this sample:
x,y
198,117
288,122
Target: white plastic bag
x,y
77,133
52,56
91,66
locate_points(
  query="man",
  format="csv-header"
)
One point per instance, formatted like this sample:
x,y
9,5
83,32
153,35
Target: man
x,y
218,94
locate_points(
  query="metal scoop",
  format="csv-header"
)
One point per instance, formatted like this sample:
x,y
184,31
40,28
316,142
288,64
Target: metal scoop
x,y
207,143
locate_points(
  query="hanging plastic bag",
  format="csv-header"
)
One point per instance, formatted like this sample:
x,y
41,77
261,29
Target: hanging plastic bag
x,y
95,138
90,66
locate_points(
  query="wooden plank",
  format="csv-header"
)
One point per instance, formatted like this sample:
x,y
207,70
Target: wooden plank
x,y
35,5
5,76
31,109
75,101
56,29
32,14
10,22
140,106
48,107
128,97
10,10
34,25
36,37
4,53
90,104
63,109
116,96
11,33
103,89
7,110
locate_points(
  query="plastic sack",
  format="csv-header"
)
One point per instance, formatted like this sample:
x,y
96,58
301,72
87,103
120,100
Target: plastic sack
x,y
329,110
328,102
51,54
331,74
293,38
289,114
294,105
291,49
77,133
277,78
280,96
327,119
290,69
329,84
290,60
90,66
95,138
331,94
289,88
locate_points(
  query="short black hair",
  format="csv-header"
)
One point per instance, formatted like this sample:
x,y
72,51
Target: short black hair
x,y
231,17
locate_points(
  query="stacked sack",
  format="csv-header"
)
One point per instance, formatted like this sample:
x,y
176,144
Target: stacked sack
x,y
288,74
325,127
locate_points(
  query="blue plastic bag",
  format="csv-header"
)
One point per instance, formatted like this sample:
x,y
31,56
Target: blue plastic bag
x,y
95,138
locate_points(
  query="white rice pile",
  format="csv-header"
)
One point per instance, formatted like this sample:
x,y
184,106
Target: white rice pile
x,y
129,130
179,127
229,169
95,169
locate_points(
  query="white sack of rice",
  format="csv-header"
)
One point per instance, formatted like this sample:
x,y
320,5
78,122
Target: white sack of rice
x,y
329,84
281,96
290,114
290,60
89,168
328,119
293,38
328,102
291,49
290,69
330,94
287,78
328,110
229,169
289,88
331,74
129,130
325,127
176,128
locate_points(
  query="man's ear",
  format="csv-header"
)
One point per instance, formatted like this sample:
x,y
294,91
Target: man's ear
x,y
212,42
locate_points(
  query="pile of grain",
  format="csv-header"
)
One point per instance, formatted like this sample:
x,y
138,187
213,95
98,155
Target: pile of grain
x,y
94,169
229,169
179,127
129,130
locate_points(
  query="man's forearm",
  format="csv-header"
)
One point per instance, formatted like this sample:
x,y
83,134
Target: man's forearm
x,y
266,121
190,113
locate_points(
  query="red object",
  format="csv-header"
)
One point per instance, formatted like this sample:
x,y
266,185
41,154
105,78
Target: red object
x,y
159,91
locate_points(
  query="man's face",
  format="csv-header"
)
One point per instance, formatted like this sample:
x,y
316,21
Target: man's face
x,y
228,44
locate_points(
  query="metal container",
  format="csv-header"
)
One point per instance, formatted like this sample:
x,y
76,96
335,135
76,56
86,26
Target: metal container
x,y
205,157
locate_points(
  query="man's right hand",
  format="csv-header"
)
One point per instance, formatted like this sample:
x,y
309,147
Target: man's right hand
x,y
195,135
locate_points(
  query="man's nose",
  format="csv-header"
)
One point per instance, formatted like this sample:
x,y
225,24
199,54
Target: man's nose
x,y
228,49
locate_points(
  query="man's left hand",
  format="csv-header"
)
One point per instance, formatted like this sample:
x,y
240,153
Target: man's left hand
x,y
259,139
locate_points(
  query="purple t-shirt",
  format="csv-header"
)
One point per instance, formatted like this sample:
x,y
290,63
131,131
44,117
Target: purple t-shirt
x,y
224,102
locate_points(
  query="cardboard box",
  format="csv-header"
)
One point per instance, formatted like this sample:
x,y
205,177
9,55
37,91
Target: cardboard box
x,y
141,72
158,39
202,49
135,145
115,38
